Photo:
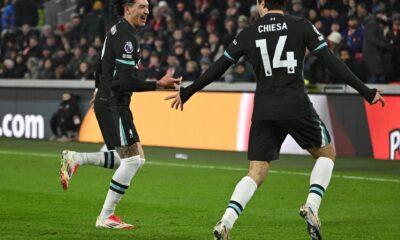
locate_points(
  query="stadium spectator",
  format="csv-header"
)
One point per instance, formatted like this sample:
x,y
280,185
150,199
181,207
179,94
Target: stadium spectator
x,y
46,53
33,49
179,52
242,73
354,36
84,72
375,48
33,65
7,16
160,48
205,63
334,42
229,32
93,24
216,47
242,23
98,43
312,15
66,120
158,21
232,8
92,56
154,70
174,67
8,69
362,11
45,31
61,72
20,66
74,30
191,71
61,57
253,14
51,44
46,70
297,9
346,55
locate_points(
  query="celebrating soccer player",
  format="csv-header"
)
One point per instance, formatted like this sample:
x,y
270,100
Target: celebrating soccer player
x,y
275,46
116,79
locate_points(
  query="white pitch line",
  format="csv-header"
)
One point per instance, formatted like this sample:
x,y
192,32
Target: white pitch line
x,y
166,164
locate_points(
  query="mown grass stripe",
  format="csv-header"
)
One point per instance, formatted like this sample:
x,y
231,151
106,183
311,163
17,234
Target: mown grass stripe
x,y
165,164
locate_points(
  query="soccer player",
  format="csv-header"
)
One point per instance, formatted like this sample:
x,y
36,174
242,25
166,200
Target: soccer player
x,y
275,45
117,80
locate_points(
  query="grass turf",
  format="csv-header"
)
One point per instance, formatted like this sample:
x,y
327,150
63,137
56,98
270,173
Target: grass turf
x,y
183,199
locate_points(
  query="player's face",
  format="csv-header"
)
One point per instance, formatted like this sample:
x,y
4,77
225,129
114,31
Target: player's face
x,y
137,13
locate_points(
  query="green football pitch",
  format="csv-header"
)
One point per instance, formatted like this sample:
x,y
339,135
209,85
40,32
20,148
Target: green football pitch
x,y
183,198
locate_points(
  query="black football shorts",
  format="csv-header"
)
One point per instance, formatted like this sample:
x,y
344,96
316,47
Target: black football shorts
x,y
267,136
116,126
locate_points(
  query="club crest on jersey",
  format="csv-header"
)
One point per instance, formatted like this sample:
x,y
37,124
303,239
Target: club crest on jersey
x,y
128,47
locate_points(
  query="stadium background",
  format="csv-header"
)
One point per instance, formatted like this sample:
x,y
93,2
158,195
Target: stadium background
x,y
363,199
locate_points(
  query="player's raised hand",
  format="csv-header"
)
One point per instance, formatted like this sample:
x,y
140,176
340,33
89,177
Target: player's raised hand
x,y
169,82
378,98
176,101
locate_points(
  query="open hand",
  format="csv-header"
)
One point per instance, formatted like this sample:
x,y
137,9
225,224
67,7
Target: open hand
x,y
176,102
169,82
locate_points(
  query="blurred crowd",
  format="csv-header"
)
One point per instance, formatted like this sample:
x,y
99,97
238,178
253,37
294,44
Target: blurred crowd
x,y
186,36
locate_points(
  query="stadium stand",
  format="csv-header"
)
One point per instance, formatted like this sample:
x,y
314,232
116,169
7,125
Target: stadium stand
x,y
61,39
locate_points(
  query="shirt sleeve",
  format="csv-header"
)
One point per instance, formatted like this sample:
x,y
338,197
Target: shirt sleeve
x,y
314,39
336,66
126,51
235,50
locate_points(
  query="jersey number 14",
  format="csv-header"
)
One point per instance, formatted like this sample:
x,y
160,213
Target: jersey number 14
x,y
290,63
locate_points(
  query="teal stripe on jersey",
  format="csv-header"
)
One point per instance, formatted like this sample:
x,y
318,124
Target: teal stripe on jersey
x,y
317,190
324,44
236,208
132,63
117,187
124,142
229,56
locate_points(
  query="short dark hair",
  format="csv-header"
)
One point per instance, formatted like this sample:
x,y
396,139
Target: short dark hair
x,y
119,6
273,4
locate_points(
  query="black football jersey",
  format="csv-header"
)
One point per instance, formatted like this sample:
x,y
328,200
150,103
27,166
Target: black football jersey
x,y
275,46
120,58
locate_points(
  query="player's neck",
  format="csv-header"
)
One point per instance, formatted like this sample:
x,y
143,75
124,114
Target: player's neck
x,y
130,21
274,11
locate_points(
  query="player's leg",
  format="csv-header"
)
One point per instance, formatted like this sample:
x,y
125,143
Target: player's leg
x,y
141,153
130,163
320,175
241,195
71,160
264,144
108,159
311,134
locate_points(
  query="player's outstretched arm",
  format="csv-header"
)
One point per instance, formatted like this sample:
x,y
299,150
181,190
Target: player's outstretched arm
x,y
214,72
340,69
